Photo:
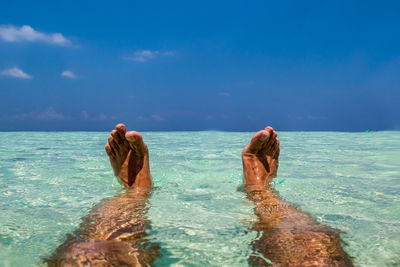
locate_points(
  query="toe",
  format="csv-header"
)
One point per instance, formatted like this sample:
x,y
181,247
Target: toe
x,y
121,129
257,141
135,140
133,137
113,144
109,151
273,137
117,138
268,144
276,149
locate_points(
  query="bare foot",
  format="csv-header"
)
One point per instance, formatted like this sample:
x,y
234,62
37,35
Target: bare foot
x,y
260,158
286,235
129,157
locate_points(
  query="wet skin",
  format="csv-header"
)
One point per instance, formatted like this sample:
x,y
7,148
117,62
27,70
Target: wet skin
x,y
129,158
113,234
287,236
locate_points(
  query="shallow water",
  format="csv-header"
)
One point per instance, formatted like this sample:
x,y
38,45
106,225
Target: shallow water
x,y
350,181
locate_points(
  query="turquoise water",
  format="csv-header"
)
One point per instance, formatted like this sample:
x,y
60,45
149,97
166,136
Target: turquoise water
x,y
350,181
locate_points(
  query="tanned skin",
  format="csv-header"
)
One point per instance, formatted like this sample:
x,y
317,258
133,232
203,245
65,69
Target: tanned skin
x,y
113,233
287,236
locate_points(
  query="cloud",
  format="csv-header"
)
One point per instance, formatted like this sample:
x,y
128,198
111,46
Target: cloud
x,y
317,117
47,115
157,117
68,74
146,55
16,73
143,55
13,34
85,116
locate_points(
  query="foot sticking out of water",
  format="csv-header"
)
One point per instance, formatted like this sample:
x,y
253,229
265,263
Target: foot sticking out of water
x,y
114,232
287,236
129,157
260,159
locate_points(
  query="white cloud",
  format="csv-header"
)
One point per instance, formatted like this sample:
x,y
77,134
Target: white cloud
x,y
26,33
16,73
157,117
48,114
317,117
68,74
146,55
85,116
143,55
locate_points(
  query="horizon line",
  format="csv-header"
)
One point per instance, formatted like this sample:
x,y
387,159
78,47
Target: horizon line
x,y
209,130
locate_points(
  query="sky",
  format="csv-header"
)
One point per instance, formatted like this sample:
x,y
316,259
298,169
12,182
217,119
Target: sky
x,y
200,65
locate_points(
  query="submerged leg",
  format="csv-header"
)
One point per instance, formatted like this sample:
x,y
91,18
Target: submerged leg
x,y
288,236
113,234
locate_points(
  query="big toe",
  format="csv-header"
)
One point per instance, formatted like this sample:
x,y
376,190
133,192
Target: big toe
x,y
136,143
257,142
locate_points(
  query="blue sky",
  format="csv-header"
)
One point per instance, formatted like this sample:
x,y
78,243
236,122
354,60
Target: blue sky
x,y
207,65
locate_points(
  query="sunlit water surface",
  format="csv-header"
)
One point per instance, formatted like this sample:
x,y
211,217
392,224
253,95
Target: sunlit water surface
x,y
350,181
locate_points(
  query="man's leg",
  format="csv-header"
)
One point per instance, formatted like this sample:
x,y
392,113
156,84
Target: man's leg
x,y
112,234
289,237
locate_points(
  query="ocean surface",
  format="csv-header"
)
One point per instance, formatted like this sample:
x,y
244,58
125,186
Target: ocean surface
x,y
350,181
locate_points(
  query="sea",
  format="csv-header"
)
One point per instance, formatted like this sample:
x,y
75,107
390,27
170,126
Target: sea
x,y
197,212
